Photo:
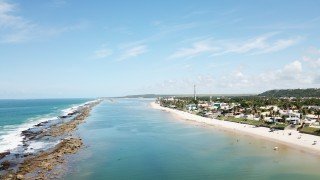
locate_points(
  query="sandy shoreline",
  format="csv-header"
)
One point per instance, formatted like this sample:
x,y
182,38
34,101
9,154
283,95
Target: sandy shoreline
x,y
296,140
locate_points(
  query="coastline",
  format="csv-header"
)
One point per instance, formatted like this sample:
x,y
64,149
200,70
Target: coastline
x,y
296,140
48,163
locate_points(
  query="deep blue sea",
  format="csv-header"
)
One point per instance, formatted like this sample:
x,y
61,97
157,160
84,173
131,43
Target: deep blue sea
x,y
19,115
127,139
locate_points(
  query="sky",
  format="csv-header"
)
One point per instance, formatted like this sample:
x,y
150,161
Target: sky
x,y
74,48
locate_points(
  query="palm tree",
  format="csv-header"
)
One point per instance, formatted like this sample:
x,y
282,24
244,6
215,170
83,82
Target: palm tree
x,y
318,113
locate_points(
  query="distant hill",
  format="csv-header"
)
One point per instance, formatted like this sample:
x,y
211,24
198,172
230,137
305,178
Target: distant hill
x,y
312,92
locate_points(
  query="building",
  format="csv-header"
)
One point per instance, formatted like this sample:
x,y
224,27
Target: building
x,y
293,120
191,107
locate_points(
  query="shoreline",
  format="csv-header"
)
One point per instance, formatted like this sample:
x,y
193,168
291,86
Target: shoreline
x,y
303,143
49,163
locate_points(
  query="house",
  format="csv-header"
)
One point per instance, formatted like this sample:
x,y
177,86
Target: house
x,y
293,120
309,122
275,108
223,106
311,107
312,117
249,116
290,113
216,105
267,113
273,119
191,107
169,99
203,105
239,115
173,106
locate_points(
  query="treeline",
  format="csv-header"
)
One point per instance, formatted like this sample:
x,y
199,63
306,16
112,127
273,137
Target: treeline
x,y
298,93
256,101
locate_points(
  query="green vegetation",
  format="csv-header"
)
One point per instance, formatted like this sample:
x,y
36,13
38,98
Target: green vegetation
x,y
268,109
310,130
244,121
279,126
298,93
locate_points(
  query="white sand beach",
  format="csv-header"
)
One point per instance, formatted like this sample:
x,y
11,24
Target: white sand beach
x,y
296,140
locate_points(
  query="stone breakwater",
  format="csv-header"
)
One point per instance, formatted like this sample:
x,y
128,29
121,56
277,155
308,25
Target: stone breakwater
x,y
47,164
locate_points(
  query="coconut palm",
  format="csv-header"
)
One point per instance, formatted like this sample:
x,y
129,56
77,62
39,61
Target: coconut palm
x,y
318,114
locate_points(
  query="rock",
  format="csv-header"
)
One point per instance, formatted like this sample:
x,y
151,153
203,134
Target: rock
x,y
20,176
3,154
5,165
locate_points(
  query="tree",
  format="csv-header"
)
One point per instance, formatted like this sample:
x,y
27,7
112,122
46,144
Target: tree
x,y
318,113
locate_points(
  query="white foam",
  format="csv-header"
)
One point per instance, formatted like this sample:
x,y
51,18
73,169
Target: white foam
x,y
40,145
11,135
13,138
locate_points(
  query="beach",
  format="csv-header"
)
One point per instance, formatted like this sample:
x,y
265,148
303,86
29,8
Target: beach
x,y
291,138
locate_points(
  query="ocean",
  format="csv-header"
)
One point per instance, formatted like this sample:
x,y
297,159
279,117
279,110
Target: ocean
x,y
19,115
127,139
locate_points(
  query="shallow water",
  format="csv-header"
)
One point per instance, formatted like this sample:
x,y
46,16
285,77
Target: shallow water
x,y
129,140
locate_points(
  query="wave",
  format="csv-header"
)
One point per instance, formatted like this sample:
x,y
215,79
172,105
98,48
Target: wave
x,y
11,138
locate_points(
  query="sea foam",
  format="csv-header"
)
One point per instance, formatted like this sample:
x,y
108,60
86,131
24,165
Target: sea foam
x,y
11,138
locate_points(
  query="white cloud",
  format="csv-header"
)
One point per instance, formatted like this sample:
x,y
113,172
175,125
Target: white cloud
x,y
291,75
134,51
16,29
257,45
294,67
102,53
313,51
280,45
312,57
6,7
8,20
197,48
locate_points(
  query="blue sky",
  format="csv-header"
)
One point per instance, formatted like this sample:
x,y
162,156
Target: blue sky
x,y
69,48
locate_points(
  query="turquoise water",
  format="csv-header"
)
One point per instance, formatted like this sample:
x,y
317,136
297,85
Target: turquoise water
x,y
129,140
18,115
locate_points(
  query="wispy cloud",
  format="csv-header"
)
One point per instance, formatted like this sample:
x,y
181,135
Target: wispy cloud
x,y
102,53
132,52
258,45
312,57
162,30
59,3
279,45
196,49
302,25
16,29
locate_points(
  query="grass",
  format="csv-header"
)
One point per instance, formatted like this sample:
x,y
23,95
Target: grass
x,y
310,130
243,121
254,122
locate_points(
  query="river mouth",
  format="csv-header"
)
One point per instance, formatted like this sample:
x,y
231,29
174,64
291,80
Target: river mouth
x,y
128,139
